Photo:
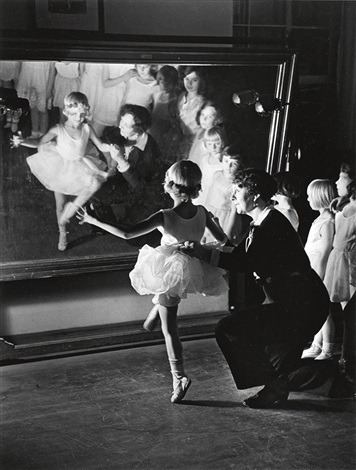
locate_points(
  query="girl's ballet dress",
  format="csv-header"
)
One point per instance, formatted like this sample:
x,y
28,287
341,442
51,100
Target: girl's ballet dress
x,y
218,201
60,166
140,93
179,139
164,270
340,272
315,242
8,69
160,116
32,84
65,82
111,98
209,165
91,86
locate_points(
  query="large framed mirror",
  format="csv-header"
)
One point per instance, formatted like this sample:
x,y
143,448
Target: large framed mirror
x,y
252,91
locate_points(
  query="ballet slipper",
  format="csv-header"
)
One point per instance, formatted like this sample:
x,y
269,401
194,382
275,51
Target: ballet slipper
x,y
62,242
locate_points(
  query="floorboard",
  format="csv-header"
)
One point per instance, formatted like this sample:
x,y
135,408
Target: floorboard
x,y
112,410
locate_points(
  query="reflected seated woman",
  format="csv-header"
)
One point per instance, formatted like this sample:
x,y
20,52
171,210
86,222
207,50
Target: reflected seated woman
x,y
136,169
263,344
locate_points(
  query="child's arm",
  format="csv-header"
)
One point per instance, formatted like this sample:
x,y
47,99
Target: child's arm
x,y
212,224
96,141
50,135
110,82
327,232
141,228
50,82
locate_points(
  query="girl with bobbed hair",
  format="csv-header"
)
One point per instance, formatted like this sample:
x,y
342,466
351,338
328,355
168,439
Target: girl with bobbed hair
x,y
318,247
183,113
263,343
167,273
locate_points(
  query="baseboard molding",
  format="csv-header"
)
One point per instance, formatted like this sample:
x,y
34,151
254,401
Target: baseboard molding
x,y
51,344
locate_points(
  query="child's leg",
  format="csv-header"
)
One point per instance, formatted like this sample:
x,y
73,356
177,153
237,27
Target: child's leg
x,y
43,122
174,348
328,333
35,123
71,208
152,319
60,205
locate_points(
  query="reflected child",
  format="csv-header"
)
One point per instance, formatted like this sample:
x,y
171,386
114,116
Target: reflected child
x,y
214,142
141,88
61,165
219,202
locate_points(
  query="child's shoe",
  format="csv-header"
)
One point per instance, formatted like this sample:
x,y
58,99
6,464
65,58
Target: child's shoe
x,y
62,242
181,387
312,352
327,352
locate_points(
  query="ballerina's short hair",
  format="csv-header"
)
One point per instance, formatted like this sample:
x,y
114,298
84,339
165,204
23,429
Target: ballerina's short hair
x,y
75,100
216,131
183,179
321,193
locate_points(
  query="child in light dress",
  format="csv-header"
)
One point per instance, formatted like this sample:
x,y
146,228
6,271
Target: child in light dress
x,y
288,189
183,113
166,272
91,86
67,79
340,275
114,79
214,142
167,79
318,247
141,88
62,166
218,200
207,117
36,85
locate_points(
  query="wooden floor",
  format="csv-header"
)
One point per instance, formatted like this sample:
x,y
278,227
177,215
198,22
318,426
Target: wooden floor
x,y
112,410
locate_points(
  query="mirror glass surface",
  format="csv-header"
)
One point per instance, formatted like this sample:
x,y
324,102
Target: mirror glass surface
x,y
160,83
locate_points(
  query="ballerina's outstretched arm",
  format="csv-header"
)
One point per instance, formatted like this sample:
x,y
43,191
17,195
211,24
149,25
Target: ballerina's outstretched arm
x,y
141,228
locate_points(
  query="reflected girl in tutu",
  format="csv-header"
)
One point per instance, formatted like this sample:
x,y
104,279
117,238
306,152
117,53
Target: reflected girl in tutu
x,y
166,272
61,165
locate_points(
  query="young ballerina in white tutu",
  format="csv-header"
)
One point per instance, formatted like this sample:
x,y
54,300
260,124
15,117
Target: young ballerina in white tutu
x,y
166,272
61,165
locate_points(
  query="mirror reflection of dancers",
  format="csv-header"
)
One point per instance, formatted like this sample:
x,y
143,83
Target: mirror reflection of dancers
x,y
164,271
62,166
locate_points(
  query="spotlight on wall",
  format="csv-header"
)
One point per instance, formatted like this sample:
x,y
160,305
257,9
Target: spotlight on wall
x,y
264,105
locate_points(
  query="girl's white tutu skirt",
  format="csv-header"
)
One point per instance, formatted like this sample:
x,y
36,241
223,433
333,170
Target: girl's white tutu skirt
x,y
164,270
65,176
341,274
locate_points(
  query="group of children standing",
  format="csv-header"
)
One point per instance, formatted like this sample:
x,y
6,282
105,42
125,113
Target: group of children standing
x,y
331,242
